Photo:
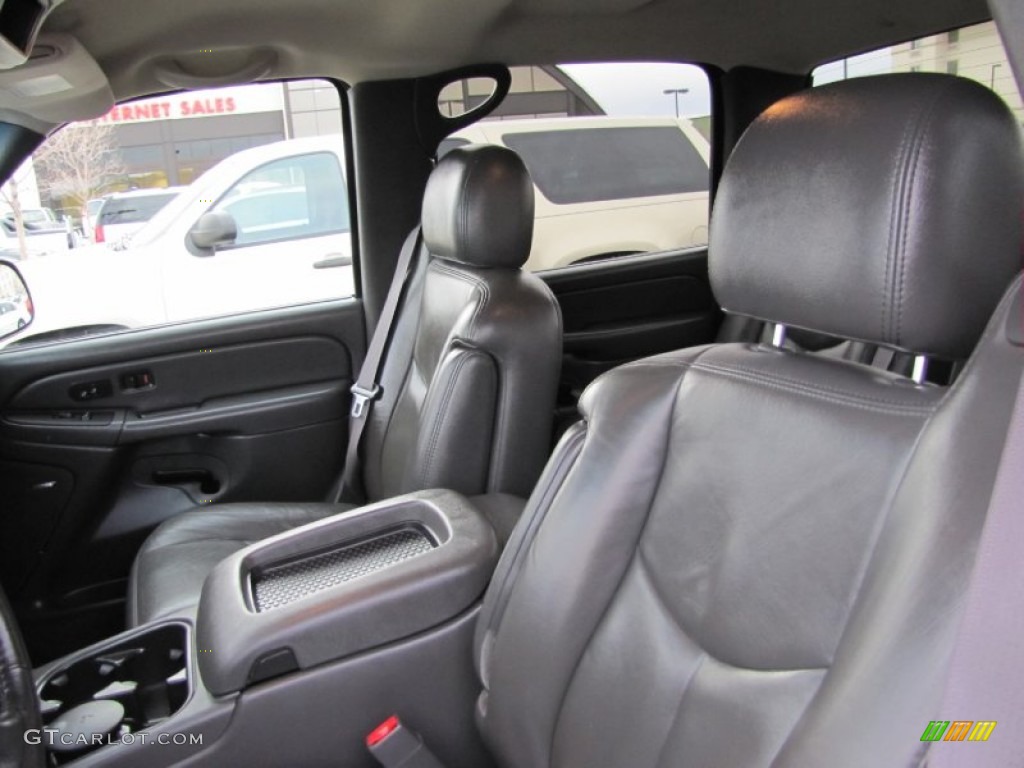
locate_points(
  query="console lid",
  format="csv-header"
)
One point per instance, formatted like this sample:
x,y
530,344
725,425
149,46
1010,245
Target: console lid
x,y
341,586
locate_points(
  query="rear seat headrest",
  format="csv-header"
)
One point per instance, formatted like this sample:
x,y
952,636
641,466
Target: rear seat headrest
x,y
884,209
478,208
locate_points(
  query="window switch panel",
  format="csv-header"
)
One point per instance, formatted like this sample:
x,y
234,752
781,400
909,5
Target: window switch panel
x,y
137,381
90,390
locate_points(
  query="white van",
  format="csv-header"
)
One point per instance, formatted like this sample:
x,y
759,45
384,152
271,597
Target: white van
x,y
607,186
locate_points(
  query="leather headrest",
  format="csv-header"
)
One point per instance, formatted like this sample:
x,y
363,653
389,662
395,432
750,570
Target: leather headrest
x,y
478,208
884,209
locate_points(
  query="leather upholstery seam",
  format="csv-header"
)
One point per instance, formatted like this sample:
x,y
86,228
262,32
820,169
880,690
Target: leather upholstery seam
x,y
824,397
920,137
862,576
446,397
484,292
536,518
647,575
500,416
534,515
480,285
896,185
625,571
843,393
462,205
904,175
837,396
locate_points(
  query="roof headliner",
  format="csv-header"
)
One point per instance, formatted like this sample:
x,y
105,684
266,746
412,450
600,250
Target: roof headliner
x,y
355,40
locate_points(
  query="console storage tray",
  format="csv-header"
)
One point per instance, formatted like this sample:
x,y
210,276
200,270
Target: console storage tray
x,y
340,586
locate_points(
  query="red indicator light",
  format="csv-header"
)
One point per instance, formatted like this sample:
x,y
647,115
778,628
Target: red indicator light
x,y
382,731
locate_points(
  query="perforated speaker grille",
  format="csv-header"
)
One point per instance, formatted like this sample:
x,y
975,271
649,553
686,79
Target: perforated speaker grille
x,y
282,584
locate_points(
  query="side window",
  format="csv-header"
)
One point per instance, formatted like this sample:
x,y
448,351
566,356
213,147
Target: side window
x,y
618,154
974,52
287,199
106,219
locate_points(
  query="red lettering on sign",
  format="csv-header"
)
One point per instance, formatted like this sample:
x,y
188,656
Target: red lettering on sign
x,y
164,109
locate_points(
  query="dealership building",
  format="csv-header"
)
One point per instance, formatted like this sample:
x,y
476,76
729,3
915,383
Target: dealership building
x,y
171,140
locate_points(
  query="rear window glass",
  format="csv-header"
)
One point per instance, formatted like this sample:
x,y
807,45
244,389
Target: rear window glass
x,y
585,166
133,210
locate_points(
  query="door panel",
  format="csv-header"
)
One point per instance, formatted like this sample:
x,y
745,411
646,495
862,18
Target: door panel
x,y
622,309
102,439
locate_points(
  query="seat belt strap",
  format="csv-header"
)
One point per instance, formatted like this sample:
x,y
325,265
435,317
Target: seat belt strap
x,y
987,667
366,390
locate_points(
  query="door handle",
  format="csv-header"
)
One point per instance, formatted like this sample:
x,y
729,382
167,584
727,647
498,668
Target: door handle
x,y
203,478
333,260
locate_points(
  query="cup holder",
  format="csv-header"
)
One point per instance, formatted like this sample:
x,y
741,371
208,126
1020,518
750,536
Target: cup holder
x,y
147,674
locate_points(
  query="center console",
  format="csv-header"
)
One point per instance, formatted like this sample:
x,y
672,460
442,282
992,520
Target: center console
x,y
341,586
324,630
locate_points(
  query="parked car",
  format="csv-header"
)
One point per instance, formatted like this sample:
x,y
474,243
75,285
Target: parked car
x,y
123,214
606,186
169,271
90,212
40,238
37,216
14,314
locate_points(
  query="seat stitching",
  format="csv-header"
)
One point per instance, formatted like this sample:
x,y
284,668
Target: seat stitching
x,y
919,142
896,183
475,282
870,555
566,459
776,378
838,398
647,575
460,363
864,405
663,600
625,571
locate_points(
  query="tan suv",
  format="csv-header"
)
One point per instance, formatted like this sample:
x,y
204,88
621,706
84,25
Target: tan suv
x,y
607,186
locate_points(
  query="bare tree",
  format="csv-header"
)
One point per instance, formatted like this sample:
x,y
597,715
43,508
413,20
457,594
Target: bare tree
x,y
9,195
79,162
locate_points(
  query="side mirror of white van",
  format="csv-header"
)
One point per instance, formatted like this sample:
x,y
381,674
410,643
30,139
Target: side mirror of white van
x,y
213,230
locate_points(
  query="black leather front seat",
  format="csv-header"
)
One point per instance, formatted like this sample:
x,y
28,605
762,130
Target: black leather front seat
x,y
746,555
468,384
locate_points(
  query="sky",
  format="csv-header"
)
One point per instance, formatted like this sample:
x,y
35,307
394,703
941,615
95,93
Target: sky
x,y
638,90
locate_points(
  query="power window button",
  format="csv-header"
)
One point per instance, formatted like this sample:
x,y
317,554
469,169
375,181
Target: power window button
x,y
90,390
138,380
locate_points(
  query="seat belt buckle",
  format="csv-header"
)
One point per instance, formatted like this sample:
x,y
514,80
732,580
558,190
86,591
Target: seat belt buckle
x,y
395,746
362,396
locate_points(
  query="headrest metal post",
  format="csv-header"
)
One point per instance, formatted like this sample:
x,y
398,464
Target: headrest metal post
x,y
920,372
779,335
